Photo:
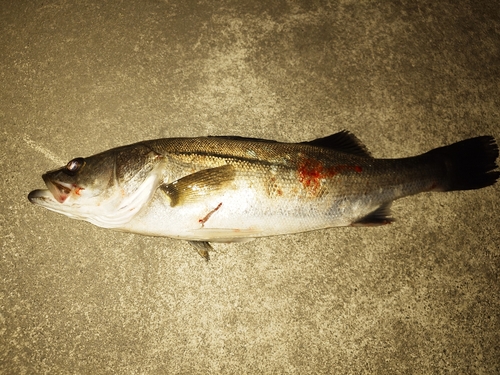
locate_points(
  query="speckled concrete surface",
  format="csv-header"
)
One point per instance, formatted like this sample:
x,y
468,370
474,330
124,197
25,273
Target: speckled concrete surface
x,y
419,296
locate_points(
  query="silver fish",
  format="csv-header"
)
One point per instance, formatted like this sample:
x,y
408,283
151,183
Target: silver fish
x,y
232,189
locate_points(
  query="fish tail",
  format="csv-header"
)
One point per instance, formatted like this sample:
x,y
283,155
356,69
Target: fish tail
x,y
469,164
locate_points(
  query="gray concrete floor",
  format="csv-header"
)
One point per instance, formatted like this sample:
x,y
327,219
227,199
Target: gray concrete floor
x,y
78,77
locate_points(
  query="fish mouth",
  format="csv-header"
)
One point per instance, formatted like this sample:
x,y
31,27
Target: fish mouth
x,y
41,195
57,191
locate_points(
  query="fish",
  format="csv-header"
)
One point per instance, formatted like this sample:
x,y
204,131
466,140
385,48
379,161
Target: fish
x,y
234,189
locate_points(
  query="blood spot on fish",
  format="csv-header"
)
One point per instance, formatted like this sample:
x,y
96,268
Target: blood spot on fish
x,y
273,188
311,173
77,189
207,216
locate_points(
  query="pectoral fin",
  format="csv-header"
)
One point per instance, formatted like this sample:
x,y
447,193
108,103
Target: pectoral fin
x,y
198,185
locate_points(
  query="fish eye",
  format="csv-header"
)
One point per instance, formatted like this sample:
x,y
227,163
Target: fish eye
x,y
74,165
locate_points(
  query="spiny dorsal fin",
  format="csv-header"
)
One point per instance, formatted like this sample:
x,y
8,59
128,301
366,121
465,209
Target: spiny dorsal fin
x,y
343,141
198,185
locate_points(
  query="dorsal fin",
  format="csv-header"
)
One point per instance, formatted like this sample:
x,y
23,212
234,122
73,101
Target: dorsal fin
x,y
239,138
343,141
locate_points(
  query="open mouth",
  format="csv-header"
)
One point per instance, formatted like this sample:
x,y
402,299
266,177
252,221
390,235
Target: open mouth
x,y
56,190
59,190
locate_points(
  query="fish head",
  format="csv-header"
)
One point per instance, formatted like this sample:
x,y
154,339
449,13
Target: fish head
x,y
106,189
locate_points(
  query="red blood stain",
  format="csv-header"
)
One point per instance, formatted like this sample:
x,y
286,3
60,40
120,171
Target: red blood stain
x,y
311,172
274,187
77,189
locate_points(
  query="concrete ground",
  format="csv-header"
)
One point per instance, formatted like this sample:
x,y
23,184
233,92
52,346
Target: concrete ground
x,y
419,296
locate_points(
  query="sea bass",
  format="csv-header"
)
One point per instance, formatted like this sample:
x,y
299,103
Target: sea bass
x,y
232,189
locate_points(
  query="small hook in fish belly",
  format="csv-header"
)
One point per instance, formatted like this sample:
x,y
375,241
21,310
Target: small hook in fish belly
x,y
205,219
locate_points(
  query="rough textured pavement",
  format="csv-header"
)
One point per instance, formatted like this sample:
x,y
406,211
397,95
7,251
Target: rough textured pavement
x,y
419,296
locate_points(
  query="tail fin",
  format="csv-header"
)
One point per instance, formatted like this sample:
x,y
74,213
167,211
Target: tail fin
x,y
470,164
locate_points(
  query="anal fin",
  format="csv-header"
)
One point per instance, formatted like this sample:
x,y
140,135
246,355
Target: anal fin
x,y
381,216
